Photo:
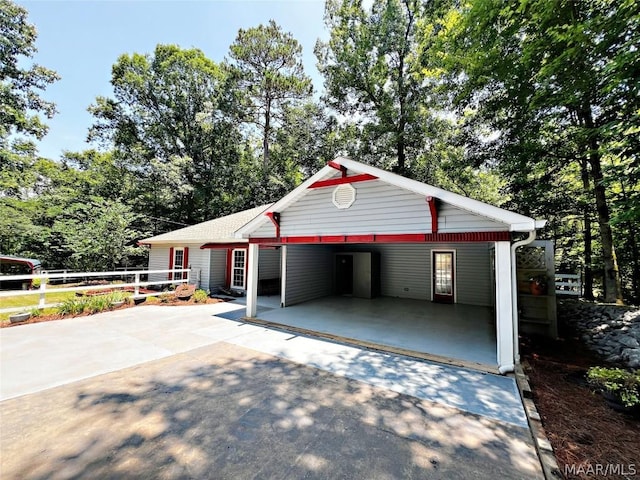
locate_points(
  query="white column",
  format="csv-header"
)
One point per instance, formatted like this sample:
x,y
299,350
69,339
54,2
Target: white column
x,y
504,310
283,275
252,280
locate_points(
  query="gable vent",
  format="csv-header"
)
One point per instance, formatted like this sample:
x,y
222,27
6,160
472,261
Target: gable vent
x,y
344,196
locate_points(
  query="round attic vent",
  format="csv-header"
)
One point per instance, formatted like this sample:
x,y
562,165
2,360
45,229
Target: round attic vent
x,y
344,196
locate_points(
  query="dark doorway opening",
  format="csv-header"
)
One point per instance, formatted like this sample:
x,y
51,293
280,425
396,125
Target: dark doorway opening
x,y
344,274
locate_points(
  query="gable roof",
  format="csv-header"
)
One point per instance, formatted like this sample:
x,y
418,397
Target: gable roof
x,y
218,230
515,221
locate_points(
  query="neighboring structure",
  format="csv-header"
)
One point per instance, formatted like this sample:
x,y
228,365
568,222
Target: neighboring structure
x,y
215,256
352,229
11,265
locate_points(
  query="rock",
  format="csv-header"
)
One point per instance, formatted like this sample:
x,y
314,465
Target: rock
x,y
629,341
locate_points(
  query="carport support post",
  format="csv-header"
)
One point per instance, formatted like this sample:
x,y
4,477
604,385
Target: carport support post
x,y
504,310
252,280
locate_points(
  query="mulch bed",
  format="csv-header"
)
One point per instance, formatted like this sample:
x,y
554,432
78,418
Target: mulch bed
x,y
55,316
584,431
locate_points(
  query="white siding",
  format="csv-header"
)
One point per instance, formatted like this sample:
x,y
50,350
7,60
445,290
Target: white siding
x,y
309,273
269,264
456,220
379,208
198,260
158,260
217,268
405,270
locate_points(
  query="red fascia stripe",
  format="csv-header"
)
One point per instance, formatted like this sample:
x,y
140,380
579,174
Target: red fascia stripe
x,y
339,181
223,245
391,238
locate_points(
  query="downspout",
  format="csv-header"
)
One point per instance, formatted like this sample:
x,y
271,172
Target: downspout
x,y
514,292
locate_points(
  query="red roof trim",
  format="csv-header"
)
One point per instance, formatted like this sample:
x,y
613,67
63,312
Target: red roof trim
x,y
337,166
433,209
390,238
363,177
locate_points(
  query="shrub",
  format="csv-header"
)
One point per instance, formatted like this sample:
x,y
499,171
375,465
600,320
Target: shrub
x,y
98,303
72,306
35,312
622,384
165,297
200,296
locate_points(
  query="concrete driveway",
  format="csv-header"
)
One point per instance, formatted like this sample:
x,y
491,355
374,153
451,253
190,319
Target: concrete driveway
x,y
179,392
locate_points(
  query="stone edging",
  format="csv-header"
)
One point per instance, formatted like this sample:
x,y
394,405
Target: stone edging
x,y
544,449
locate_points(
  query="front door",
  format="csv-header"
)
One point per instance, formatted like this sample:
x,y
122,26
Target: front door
x,y
443,276
344,274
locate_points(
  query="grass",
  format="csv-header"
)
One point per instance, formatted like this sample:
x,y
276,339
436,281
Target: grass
x,y
31,301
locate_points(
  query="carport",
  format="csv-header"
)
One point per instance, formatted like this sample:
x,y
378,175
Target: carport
x,y
429,330
376,257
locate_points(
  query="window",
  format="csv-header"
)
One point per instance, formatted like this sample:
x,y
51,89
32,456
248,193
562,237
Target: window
x,y
443,276
238,268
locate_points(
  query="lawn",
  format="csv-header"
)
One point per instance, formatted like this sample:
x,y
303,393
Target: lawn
x,y
31,301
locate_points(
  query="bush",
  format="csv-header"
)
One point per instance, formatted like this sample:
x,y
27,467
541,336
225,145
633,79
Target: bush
x,y
165,297
72,306
200,296
622,384
35,312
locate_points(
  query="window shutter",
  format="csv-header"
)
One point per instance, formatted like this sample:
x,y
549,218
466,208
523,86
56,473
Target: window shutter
x,y
185,257
171,263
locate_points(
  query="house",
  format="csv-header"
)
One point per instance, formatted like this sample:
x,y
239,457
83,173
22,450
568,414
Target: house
x,y
367,252
215,256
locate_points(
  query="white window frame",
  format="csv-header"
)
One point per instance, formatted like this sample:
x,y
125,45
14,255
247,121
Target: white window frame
x,y
178,275
234,268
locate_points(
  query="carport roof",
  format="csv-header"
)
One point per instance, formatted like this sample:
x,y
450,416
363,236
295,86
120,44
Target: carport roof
x,y
515,221
218,230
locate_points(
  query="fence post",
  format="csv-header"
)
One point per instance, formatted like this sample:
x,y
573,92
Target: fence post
x,y
136,289
43,288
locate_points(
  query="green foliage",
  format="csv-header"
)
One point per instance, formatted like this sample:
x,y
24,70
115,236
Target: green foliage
x,y
267,68
166,297
621,383
170,120
200,296
20,101
72,306
35,312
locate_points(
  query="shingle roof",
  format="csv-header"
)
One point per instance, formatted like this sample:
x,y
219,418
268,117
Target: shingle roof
x,y
218,230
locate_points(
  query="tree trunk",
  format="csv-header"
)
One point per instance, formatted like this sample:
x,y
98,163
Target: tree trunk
x,y
588,272
265,138
611,276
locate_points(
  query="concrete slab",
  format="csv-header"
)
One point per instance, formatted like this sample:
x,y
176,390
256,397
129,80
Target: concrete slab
x,y
224,411
465,332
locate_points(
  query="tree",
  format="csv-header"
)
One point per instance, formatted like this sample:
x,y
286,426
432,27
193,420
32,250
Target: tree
x,y
168,121
372,78
20,103
555,78
267,65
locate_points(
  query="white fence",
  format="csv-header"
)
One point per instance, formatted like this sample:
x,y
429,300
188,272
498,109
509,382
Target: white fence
x,y
45,278
569,284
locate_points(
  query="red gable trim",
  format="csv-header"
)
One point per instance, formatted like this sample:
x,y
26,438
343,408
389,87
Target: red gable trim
x,y
275,219
433,209
337,166
339,181
393,238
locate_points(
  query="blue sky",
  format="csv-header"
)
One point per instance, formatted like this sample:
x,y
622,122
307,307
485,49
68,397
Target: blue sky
x,y
81,40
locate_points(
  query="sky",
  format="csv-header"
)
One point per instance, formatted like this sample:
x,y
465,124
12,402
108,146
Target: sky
x,y
81,40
